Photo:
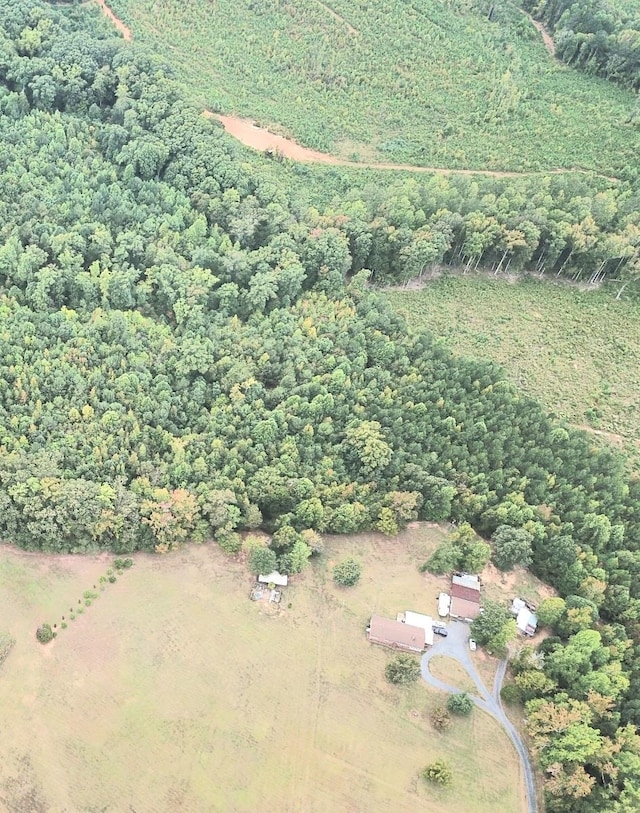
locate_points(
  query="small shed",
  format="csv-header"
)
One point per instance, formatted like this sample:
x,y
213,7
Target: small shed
x,y
419,620
279,579
395,634
526,621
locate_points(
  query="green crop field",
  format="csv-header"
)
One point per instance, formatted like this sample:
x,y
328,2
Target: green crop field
x,y
174,692
577,352
431,83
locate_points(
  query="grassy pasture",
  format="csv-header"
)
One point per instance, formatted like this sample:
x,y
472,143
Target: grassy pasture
x,y
174,692
578,352
431,83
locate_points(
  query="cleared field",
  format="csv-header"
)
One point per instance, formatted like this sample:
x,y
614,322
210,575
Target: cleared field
x,y
174,692
577,352
430,83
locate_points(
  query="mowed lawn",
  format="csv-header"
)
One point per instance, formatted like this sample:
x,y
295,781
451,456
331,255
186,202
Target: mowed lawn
x,y
577,352
174,692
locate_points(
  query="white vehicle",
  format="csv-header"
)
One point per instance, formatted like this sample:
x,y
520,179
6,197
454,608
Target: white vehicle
x,y
444,604
472,645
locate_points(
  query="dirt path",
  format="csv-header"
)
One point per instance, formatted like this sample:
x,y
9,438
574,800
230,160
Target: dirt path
x,y
259,138
549,44
122,28
337,17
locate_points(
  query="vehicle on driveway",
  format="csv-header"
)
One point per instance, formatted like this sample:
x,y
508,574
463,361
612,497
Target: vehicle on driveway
x,y
440,631
472,645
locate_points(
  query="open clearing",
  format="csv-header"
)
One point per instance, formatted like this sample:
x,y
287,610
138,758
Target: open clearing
x,y
578,352
429,84
174,692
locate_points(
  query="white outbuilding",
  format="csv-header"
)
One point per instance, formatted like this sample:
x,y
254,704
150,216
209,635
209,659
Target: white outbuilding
x,y
279,579
425,622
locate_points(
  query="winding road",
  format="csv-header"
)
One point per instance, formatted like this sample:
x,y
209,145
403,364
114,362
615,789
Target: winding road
x,y
456,646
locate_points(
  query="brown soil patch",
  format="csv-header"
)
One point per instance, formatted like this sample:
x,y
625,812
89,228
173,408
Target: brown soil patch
x,y
122,28
549,44
259,138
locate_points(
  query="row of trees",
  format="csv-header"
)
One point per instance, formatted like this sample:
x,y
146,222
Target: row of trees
x,y
185,354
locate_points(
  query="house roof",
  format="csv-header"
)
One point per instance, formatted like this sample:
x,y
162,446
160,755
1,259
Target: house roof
x,y
274,578
462,608
423,621
466,593
395,633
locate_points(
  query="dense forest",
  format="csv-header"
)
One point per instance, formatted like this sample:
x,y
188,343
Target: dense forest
x,y
597,36
185,353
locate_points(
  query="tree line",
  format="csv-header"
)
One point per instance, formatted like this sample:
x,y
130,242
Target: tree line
x,y
599,37
187,354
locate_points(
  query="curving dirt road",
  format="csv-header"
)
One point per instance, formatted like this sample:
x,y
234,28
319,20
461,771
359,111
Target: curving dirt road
x,y
549,44
456,646
258,138
122,28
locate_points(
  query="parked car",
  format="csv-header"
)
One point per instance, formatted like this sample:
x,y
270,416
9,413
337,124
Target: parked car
x,y
440,631
444,604
472,645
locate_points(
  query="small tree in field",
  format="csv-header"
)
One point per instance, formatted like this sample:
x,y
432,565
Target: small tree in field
x,y
440,718
347,573
460,704
44,633
402,670
438,772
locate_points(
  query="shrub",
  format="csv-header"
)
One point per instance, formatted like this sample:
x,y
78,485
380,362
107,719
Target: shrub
x,y
511,694
402,670
438,772
128,563
80,610
112,579
72,617
440,718
87,603
64,625
44,633
460,704
229,541
262,560
347,573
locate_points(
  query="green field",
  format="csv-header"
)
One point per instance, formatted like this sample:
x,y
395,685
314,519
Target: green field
x,y
174,692
429,83
578,352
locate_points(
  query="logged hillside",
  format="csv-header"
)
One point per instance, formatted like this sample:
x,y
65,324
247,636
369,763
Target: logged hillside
x,y
187,353
429,83
578,352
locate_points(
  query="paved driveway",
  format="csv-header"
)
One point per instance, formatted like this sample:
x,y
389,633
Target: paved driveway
x,y
456,645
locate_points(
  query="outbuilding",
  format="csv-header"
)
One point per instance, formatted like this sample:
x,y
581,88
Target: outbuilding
x,y
465,597
419,620
527,622
395,634
279,579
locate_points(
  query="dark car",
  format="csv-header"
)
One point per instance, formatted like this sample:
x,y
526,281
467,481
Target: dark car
x,y
440,631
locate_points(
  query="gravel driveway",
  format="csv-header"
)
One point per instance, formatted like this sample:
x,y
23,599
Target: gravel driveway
x,y
456,645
